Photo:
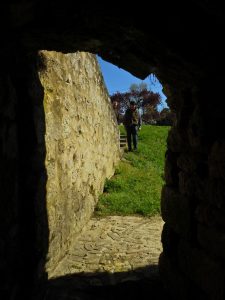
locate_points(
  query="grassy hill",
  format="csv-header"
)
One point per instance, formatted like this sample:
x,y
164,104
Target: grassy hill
x,y
136,186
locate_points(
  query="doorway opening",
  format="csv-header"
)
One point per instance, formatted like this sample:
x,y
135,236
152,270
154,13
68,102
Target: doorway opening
x,y
119,247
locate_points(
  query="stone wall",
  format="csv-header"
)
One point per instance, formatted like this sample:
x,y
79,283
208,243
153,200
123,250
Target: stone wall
x,y
193,202
82,144
23,244
188,57
9,246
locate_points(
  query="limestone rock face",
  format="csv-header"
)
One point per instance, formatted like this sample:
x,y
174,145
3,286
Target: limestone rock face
x,y
82,144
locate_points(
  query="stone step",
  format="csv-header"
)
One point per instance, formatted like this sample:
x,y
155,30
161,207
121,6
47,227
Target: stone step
x,y
123,141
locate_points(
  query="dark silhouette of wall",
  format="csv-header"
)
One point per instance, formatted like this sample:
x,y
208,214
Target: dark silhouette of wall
x,y
186,54
24,225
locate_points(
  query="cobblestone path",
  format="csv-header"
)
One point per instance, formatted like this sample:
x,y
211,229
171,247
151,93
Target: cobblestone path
x,y
112,250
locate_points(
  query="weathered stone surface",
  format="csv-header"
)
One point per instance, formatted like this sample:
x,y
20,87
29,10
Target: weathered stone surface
x,y
170,241
206,272
123,247
186,54
217,160
216,192
82,144
210,215
191,185
176,282
196,130
212,239
200,169
186,183
9,246
171,170
187,162
176,210
177,141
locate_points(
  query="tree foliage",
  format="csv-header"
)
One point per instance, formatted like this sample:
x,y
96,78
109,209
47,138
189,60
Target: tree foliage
x,y
146,100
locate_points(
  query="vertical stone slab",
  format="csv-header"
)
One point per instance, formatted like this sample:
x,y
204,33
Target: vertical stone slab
x,y
82,144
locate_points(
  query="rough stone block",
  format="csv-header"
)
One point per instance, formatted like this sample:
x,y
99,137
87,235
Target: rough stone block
x,y
177,141
171,170
186,163
216,192
217,160
82,144
176,210
170,241
192,186
203,270
210,215
176,283
196,129
212,240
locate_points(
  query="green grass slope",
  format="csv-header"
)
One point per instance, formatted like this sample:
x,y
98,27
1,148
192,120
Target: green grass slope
x,y
136,186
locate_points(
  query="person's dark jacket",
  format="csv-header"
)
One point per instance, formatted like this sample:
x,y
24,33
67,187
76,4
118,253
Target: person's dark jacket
x,y
132,117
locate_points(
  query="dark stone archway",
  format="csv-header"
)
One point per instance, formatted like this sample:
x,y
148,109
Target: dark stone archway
x,y
182,45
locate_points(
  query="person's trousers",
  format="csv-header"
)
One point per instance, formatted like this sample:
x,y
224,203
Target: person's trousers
x,y
132,137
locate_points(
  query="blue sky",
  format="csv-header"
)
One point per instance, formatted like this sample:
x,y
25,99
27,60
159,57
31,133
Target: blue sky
x,y
117,79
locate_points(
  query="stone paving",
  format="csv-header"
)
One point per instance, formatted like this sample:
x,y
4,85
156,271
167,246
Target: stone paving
x,y
112,250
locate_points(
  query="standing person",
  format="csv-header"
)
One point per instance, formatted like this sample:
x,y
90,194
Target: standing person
x,y
132,122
